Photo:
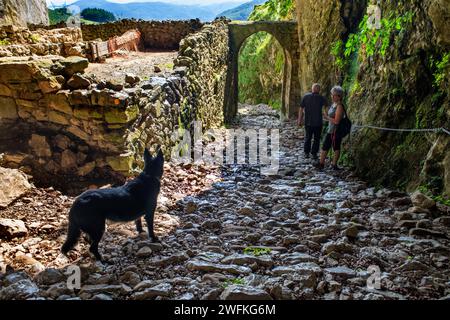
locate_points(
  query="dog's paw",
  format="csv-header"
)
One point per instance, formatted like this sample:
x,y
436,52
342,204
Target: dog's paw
x,y
142,236
155,239
100,264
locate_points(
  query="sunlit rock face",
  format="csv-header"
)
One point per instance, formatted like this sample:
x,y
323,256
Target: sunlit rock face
x,y
405,86
22,12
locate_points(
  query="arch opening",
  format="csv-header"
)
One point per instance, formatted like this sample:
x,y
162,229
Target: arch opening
x,y
288,39
261,70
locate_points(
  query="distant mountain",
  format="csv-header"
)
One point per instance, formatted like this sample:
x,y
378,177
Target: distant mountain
x,y
241,12
158,10
222,6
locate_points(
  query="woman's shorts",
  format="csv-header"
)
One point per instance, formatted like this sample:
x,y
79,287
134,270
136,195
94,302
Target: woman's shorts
x,y
332,140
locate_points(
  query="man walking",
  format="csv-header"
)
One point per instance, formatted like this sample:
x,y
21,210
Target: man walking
x,y
310,114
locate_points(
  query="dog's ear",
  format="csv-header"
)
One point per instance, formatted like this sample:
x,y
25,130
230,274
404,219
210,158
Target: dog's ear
x,y
159,164
160,154
147,157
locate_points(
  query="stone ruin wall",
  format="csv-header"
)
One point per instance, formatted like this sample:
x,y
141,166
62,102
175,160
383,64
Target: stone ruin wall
x,y
21,41
42,40
205,57
164,35
62,127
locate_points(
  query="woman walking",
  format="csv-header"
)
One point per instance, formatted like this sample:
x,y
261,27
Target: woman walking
x,y
333,139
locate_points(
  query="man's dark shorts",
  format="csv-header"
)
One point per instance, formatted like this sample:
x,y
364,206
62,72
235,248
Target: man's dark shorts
x,y
332,140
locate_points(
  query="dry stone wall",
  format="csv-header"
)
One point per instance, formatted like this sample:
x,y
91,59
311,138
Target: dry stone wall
x,y
59,40
155,34
62,126
21,41
59,134
204,56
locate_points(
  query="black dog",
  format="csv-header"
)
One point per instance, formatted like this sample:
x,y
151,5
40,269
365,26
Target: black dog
x,y
123,204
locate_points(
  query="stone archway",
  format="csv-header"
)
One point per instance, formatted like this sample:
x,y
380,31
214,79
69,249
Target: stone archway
x,y
285,32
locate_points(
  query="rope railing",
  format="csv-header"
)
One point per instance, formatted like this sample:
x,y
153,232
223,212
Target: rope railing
x,y
435,130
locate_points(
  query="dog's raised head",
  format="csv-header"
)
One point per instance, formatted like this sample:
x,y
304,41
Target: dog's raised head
x,y
154,166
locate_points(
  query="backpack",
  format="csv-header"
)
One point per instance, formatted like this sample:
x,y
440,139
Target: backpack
x,y
345,126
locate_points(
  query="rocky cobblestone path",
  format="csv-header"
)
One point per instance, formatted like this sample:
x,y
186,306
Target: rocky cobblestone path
x,y
230,233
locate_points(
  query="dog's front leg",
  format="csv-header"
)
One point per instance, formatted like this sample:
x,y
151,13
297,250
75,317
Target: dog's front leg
x,y
139,225
149,218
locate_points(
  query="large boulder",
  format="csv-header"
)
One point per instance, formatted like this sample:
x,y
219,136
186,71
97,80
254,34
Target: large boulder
x,y
13,184
23,289
49,276
422,201
10,229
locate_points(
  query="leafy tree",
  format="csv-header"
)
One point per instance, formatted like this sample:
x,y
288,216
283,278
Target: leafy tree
x,y
97,15
58,15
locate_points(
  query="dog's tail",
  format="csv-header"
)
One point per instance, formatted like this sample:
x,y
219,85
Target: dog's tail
x,y
73,234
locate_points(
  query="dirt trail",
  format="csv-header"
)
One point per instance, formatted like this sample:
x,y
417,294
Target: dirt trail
x,y
141,64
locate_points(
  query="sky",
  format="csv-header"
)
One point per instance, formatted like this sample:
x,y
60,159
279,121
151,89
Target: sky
x,y
60,2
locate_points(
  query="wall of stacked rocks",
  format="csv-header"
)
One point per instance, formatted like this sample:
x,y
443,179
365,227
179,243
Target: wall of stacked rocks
x,y
155,34
62,126
204,55
21,41
60,134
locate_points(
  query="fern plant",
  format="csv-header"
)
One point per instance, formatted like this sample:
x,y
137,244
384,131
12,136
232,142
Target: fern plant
x,y
370,41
